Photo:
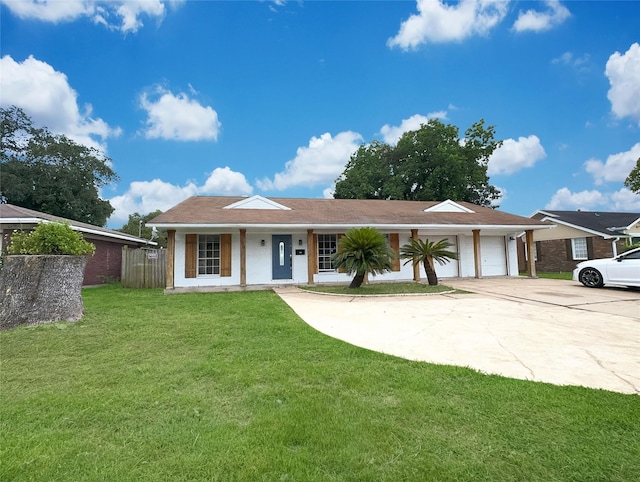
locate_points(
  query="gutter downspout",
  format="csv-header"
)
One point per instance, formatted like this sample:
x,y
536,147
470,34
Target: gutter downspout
x,y
614,248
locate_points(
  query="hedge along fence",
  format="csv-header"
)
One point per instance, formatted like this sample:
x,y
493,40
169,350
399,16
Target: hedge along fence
x,y
41,279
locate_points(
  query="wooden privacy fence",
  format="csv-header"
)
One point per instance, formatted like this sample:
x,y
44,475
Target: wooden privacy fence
x,y
143,268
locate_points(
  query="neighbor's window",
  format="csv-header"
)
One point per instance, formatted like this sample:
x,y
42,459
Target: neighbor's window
x,y
327,245
579,248
208,254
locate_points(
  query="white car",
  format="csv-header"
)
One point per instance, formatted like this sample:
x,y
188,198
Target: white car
x,y
623,270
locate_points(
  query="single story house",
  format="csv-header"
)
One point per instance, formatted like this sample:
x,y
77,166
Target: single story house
x,y
578,236
222,242
104,266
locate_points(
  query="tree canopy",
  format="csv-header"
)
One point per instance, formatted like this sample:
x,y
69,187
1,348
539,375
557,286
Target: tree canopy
x,y
52,173
430,164
633,179
137,226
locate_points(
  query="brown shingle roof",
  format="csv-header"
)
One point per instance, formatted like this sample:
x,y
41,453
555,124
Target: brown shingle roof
x,y
10,211
205,210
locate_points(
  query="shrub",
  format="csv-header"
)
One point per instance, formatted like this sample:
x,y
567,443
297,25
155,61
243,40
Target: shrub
x,y
630,247
50,238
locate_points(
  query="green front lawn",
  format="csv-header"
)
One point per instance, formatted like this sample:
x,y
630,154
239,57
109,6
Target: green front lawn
x,y
381,289
235,387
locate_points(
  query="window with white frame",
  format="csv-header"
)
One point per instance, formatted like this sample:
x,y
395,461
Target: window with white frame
x,y
579,248
208,254
327,245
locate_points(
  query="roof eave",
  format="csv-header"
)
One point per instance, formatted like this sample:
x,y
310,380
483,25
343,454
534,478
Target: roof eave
x,y
582,228
495,227
82,229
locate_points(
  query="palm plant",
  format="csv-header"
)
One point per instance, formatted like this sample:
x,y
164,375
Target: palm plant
x,y
426,252
362,251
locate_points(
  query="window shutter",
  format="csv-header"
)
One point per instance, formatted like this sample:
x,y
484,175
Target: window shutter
x,y
538,252
338,236
569,249
225,255
590,248
394,242
190,255
316,268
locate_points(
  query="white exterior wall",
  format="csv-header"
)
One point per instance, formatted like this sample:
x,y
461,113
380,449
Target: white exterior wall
x,y
512,255
466,262
259,264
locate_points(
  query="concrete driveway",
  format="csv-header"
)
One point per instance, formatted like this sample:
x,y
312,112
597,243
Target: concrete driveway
x,y
552,331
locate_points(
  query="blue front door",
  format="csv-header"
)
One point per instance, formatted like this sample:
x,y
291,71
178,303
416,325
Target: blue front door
x,y
281,256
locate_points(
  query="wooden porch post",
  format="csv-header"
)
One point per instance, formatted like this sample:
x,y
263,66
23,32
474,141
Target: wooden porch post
x,y
171,256
477,254
531,262
416,267
243,257
311,256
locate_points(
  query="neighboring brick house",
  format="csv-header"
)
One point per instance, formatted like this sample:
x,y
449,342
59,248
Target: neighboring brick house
x,y
579,235
103,267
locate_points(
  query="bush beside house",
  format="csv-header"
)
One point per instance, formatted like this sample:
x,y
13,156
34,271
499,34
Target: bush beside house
x,y
41,278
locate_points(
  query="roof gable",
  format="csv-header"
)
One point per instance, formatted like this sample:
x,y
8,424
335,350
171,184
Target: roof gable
x,y
237,212
257,202
606,224
448,206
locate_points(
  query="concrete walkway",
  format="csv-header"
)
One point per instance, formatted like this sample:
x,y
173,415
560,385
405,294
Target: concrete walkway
x,y
544,330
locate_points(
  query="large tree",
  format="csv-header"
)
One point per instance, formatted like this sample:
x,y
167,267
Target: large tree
x,y
430,164
52,173
633,179
137,226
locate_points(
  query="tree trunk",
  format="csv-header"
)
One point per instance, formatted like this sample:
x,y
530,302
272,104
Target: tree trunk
x,y
38,289
357,280
432,277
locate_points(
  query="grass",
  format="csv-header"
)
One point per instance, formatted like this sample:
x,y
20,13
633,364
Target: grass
x,y
235,387
379,289
561,275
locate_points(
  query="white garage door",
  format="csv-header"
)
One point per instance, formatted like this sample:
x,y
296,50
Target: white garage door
x,y
450,269
494,257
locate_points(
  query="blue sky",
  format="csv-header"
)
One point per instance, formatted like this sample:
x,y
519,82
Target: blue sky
x,y
272,97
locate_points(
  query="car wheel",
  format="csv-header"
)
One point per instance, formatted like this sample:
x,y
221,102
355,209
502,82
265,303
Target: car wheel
x,y
591,278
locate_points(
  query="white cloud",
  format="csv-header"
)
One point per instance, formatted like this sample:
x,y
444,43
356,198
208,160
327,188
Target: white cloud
x,y
225,182
623,72
581,63
616,168
437,21
515,155
146,196
535,21
391,134
625,201
319,163
123,15
329,192
564,199
177,117
46,96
